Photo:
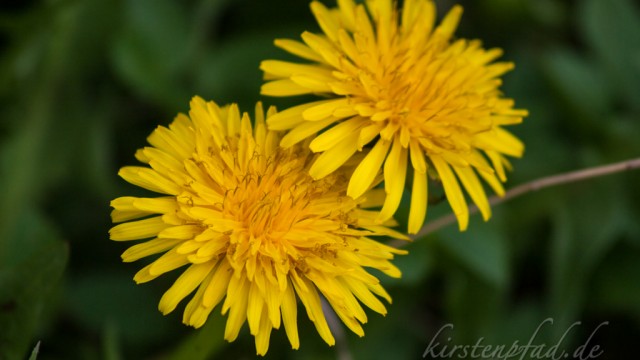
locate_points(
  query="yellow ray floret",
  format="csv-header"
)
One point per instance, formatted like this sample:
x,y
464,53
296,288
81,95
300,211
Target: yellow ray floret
x,y
407,92
254,231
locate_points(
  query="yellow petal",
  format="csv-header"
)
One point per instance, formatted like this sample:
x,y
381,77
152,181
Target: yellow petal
x,y
163,159
123,209
489,177
348,46
496,160
168,141
263,334
311,302
347,11
471,183
260,125
373,198
512,145
345,315
273,300
285,69
367,134
233,120
290,316
161,205
195,314
501,141
201,116
212,247
417,157
330,160
305,130
325,20
284,87
452,191
188,247
385,21
217,288
322,46
363,25
143,275
169,261
237,309
255,303
353,308
380,291
183,286
183,232
120,216
450,22
297,48
336,134
324,109
124,203
368,169
316,84
149,179
136,230
147,248
361,291
288,118
395,172
419,198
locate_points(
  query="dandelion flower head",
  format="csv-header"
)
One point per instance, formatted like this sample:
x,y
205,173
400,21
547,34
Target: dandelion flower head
x,y
253,230
425,104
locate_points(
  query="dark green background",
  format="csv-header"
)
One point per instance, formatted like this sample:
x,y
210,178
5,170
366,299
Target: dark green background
x,y
82,83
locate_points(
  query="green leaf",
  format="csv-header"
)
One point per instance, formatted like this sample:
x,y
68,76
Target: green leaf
x,y
622,135
23,157
481,249
615,287
111,342
548,12
151,51
580,84
34,352
566,283
204,342
611,28
132,314
390,336
518,323
472,304
415,266
231,73
27,284
588,222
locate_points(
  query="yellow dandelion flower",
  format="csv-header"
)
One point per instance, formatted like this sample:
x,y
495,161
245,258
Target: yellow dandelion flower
x,y
404,85
253,229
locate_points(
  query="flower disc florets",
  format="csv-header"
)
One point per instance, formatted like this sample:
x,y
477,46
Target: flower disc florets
x,y
407,88
255,231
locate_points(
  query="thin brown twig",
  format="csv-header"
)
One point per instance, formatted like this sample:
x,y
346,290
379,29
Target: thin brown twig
x,y
535,185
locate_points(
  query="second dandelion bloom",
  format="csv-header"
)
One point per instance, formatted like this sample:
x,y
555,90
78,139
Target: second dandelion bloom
x,y
423,104
252,229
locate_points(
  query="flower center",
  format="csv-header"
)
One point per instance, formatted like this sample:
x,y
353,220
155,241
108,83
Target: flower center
x,y
268,199
266,195
436,92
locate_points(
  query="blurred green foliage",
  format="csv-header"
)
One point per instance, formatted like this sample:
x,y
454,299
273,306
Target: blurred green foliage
x,y
83,82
